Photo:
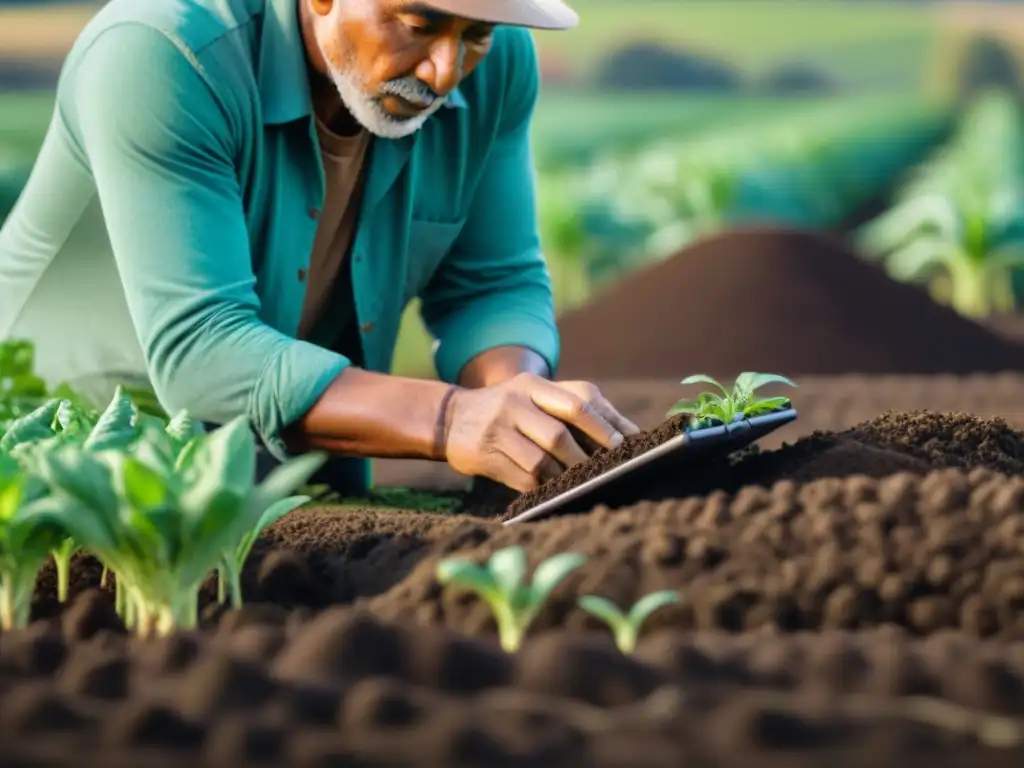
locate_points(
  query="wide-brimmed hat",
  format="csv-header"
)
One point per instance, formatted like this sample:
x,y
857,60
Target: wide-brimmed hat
x,y
535,14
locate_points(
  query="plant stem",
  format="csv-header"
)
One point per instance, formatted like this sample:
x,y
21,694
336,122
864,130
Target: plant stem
x,y
16,598
222,585
625,638
234,579
62,560
510,628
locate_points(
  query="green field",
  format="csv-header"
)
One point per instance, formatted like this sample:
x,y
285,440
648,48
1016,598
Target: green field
x,y
859,42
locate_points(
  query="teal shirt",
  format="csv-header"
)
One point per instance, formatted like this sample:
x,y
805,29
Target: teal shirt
x,y
164,234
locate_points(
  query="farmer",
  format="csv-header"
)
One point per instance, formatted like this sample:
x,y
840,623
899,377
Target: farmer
x,y
235,201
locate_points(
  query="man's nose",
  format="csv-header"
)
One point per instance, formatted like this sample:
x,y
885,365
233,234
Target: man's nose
x,y
442,69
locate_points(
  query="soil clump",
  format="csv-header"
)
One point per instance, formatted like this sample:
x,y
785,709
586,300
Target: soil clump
x,y
775,300
344,688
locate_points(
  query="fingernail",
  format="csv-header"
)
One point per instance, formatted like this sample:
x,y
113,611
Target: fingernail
x,y
617,439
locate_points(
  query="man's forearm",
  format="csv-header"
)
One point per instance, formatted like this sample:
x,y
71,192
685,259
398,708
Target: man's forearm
x,y
371,415
376,415
501,364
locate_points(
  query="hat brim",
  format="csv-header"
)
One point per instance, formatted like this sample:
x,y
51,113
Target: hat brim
x,y
533,14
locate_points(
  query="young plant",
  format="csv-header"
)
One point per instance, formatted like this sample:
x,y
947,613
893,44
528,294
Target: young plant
x,y
626,627
499,583
229,572
161,528
61,422
713,409
28,533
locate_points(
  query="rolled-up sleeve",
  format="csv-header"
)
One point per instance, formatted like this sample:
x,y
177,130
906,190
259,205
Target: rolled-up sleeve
x,y
162,148
494,289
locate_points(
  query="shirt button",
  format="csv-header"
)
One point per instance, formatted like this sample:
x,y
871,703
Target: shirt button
x,y
366,327
313,214
302,275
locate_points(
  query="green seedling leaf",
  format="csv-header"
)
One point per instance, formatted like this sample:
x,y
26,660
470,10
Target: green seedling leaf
x,y
603,609
144,487
183,428
645,606
700,378
468,575
508,566
36,425
749,382
77,474
626,627
551,572
768,405
115,428
285,478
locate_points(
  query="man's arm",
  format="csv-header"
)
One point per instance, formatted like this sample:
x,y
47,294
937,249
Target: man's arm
x,y
490,303
161,146
501,364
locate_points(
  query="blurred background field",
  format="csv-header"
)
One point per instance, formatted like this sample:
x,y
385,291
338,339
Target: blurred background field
x,y
664,121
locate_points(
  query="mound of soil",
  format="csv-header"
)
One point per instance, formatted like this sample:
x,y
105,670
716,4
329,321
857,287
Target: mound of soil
x,y
895,442
764,299
346,689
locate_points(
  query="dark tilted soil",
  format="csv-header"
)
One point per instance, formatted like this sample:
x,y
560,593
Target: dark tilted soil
x,y
856,599
895,442
772,299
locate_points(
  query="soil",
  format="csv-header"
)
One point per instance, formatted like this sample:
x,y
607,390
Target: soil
x,y
896,442
853,599
742,299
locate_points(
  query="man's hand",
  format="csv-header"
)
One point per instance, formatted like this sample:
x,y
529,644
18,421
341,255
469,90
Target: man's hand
x,y
517,432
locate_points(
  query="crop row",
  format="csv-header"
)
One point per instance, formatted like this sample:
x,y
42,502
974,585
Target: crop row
x,y
811,167
957,223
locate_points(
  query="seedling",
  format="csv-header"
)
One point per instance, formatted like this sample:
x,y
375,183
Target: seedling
x,y
711,409
626,627
499,583
229,572
161,528
28,532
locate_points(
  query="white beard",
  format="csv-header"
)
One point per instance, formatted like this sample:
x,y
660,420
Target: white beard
x,y
370,113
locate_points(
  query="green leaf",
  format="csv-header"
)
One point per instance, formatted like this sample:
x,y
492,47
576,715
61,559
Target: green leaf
x,y
508,566
228,456
750,382
115,428
551,572
183,428
285,478
144,487
700,378
11,494
89,530
767,405
79,475
467,574
36,425
603,609
270,516
648,604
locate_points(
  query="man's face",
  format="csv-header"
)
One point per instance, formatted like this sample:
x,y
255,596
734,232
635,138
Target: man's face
x,y
394,61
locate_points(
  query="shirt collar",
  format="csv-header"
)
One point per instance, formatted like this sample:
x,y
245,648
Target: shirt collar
x,y
283,83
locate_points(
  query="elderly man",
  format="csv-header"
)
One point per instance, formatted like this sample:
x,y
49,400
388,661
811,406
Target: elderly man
x,y
236,200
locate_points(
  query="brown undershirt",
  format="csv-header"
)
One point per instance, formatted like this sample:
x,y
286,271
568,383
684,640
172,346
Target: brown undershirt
x,y
329,312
